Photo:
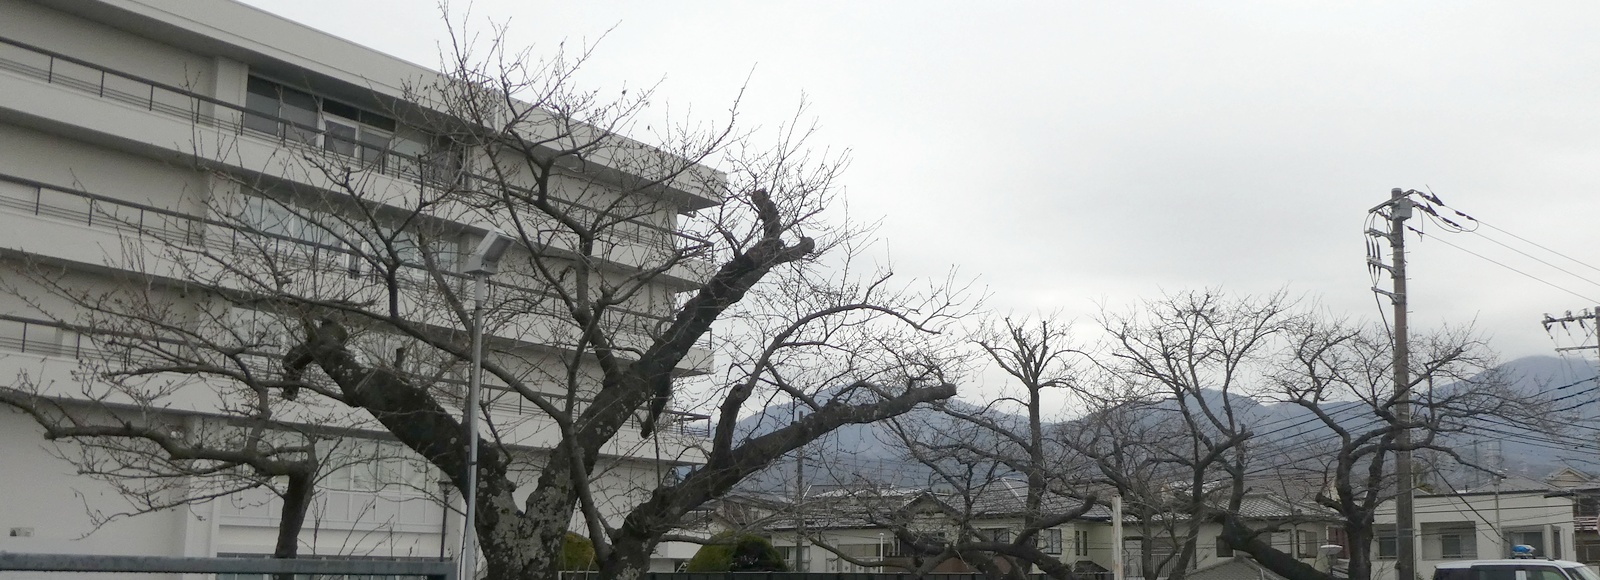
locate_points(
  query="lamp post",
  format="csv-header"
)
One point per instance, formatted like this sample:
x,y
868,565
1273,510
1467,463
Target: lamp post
x,y
483,262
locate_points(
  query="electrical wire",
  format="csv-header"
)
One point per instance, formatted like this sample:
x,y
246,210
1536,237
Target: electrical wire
x,y
1503,265
1434,199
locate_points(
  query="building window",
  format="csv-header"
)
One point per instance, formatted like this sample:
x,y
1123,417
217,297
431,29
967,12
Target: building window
x,y
274,102
1337,537
344,129
1533,538
1587,506
1449,541
1450,546
1308,543
1002,535
860,552
1080,542
1388,546
1223,549
1050,541
788,554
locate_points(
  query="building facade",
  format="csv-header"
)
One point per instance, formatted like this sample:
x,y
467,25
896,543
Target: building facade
x,y
203,164
848,532
1479,525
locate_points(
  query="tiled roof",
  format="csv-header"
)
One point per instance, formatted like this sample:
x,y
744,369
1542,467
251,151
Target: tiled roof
x,y
1007,496
1267,507
1237,568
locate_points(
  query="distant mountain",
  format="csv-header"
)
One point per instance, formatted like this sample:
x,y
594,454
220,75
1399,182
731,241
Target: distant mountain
x,y
872,453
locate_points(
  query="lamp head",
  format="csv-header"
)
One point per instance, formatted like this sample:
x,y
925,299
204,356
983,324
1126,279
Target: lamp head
x,y
486,259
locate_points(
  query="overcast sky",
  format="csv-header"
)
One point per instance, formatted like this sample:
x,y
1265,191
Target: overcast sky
x,y
1072,153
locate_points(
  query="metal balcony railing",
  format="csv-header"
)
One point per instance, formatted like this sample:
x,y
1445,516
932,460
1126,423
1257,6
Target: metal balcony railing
x,y
89,78
182,229
48,338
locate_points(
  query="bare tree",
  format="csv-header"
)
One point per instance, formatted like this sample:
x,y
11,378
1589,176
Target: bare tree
x,y
322,281
1341,375
997,487
1211,360
1122,436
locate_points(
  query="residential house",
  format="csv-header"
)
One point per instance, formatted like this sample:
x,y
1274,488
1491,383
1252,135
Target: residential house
x,y
870,525
1481,524
1297,528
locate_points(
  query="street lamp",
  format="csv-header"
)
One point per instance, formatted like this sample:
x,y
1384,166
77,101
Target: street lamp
x,y
483,262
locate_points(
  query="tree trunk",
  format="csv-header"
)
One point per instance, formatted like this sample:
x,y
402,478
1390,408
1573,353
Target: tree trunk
x,y
631,563
1239,536
1358,545
296,502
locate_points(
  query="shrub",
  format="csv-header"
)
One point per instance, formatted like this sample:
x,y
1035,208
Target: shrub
x,y
742,553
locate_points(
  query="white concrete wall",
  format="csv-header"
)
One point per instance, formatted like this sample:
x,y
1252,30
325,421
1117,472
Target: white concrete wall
x,y
47,507
1484,512
1099,546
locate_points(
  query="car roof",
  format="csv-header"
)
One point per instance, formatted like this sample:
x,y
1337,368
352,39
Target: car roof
x,y
1508,562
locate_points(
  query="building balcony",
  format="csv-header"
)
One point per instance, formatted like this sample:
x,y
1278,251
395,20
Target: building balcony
x,y
132,113
33,214
52,355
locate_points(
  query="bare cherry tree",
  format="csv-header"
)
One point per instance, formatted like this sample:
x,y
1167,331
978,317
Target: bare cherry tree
x,y
317,288
1212,360
1342,376
999,486
1122,436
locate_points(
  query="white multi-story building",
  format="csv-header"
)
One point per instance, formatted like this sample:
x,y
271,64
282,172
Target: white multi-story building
x,y
136,135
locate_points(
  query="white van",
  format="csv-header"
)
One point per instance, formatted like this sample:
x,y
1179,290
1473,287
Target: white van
x,y
1518,569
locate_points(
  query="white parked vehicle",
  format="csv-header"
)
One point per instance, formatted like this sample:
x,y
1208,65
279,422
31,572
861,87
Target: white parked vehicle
x,y
1514,569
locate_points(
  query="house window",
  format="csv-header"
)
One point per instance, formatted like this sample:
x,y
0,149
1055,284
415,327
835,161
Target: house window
x,y
1388,546
1449,541
788,554
860,552
1002,535
1587,506
1450,546
1223,549
1533,538
1050,541
1308,543
1337,537
1080,542
934,541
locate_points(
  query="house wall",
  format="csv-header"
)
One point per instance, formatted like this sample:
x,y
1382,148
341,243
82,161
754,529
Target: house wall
x,y
1463,527
1299,540
1096,548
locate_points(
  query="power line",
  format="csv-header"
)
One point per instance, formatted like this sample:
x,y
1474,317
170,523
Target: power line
x,y
1435,200
1503,265
1536,259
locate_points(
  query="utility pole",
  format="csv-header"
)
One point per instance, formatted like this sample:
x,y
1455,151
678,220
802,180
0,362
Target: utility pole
x,y
1583,318
1116,537
800,510
1580,317
1399,206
